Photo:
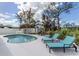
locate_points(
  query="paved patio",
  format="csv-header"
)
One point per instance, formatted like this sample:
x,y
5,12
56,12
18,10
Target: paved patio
x,y
34,48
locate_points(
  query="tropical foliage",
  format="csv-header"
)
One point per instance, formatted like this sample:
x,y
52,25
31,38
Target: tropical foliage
x,y
71,32
53,12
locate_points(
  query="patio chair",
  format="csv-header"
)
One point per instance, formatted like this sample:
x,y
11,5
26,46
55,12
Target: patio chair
x,y
66,43
47,39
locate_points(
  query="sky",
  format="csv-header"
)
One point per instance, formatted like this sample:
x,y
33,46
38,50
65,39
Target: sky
x,y
8,12
73,16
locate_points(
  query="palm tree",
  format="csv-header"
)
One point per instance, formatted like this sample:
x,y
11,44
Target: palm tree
x,y
20,19
27,18
54,11
65,7
47,23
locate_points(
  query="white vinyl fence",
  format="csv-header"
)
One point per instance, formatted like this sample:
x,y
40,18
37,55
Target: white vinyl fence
x,y
4,31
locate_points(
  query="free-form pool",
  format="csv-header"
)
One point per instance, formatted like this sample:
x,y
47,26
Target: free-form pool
x,y
19,38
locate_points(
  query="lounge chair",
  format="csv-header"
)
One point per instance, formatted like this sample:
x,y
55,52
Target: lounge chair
x,y
47,39
66,43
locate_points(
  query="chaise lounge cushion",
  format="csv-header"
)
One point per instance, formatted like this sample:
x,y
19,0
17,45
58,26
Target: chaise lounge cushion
x,y
54,45
67,42
55,36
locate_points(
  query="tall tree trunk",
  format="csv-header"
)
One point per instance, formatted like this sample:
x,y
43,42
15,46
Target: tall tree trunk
x,y
24,30
54,24
58,23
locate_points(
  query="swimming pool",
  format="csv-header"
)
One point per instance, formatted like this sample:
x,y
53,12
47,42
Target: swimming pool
x,y
20,38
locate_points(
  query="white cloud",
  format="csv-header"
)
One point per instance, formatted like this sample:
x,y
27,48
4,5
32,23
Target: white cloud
x,y
20,4
37,8
38,15
33,5
7,19
4,15
11,23
4,22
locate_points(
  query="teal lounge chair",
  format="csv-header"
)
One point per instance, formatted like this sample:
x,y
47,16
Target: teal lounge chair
x,y
48,39
66,43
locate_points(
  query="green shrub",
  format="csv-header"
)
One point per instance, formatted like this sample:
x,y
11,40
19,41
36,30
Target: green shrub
x,y
77,40
50,33
76,34
63,33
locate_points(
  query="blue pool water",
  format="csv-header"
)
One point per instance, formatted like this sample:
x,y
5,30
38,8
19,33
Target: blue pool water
x,y
19,38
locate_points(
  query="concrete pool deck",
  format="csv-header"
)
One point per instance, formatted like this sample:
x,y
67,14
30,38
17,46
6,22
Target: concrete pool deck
x,y
33,48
